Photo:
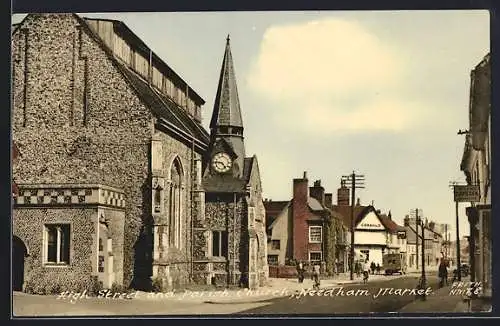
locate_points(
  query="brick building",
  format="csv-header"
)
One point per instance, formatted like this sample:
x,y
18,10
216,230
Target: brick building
x,y
304,228
110,180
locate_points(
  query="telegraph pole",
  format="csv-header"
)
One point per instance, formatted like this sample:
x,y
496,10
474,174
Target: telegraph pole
x,y
357,181
459,264
416,236
423,259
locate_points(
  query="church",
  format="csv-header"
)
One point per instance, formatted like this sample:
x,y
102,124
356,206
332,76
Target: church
x,y
118,183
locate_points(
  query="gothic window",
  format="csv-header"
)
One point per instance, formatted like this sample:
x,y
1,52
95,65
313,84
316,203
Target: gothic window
x,y
174,203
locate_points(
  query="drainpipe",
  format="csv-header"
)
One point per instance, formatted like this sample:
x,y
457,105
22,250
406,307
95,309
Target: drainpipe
x,y
234,237
193,180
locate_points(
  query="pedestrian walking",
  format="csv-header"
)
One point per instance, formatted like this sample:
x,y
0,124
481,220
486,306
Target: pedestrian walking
x,y
372,267
300,272
378,268
316,276
443,274
366,271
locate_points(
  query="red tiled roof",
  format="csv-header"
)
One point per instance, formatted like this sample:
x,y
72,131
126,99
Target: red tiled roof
x,y
345,213
389,224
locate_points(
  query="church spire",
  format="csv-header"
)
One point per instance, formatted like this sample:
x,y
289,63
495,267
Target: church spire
x,y
227,111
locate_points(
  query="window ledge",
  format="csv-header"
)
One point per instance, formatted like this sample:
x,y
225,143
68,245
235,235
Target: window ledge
x,y
56,265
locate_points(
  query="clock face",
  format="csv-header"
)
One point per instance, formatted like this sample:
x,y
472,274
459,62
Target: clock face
x,y
221,162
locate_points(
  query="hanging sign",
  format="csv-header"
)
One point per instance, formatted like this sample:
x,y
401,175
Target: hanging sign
x,y
469,193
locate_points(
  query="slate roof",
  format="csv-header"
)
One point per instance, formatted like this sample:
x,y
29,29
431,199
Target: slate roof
x,y
314,204
247,168
165,109
273,209
227,110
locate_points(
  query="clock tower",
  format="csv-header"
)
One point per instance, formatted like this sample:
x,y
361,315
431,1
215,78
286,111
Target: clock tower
x,y
226,153
230,245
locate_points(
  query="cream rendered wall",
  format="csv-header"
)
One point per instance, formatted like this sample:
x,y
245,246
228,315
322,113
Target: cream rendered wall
x,y
280,231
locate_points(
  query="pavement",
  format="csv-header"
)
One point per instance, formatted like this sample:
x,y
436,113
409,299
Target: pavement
x,y
275,288
446,300
280,296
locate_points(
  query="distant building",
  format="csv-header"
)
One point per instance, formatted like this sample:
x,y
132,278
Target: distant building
x,y
432,245
375,234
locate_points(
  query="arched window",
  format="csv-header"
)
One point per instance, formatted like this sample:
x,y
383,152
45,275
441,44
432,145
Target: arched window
x,y
175,204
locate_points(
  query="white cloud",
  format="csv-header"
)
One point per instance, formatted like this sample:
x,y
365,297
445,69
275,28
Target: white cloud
x,y
335,75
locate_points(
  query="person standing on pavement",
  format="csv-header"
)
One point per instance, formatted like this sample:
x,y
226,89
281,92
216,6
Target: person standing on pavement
x,y
372,267
378,268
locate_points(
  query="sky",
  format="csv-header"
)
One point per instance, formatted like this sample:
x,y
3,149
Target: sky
x,y
381,93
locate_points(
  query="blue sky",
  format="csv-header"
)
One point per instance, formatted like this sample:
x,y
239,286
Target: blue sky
x,y
382,93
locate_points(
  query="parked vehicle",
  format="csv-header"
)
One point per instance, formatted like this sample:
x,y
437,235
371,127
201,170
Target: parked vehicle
x,y
465,270
392,263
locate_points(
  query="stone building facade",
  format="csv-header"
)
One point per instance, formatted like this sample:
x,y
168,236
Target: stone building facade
x,y
111,173
476,165
231,246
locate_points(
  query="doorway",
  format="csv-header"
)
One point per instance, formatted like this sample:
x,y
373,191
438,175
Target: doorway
x,y
19,252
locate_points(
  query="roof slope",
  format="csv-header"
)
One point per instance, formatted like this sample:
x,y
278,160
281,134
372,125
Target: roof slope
x,y
163,107
227,110
273,209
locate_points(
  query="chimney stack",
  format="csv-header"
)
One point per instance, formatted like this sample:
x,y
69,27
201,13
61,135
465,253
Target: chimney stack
x,y
300,213
343,195
357,202
318,192
328,200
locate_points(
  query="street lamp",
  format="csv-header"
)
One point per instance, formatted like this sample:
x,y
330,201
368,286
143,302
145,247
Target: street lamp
x,y
422,280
